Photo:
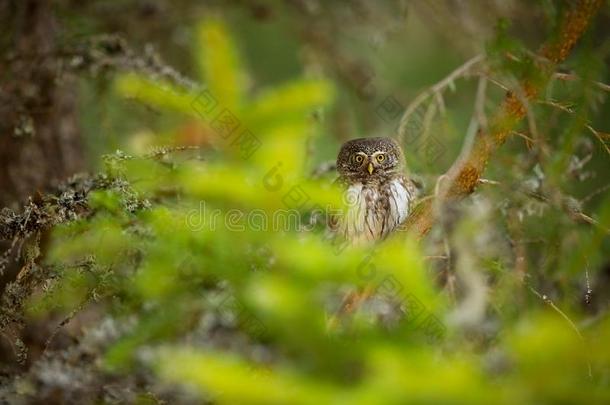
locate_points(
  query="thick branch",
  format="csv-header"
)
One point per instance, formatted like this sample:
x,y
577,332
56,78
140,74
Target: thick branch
x,y
463,176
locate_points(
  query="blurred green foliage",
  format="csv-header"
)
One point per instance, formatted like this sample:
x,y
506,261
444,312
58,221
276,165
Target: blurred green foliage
x,y
191,265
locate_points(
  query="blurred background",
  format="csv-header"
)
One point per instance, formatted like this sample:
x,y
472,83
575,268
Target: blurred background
x,y
114,160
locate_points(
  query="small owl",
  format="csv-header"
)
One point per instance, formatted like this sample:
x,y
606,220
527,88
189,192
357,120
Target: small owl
x,y
379,196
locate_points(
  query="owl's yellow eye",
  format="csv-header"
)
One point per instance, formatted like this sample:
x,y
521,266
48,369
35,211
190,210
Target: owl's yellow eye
x,y
380,158
359,158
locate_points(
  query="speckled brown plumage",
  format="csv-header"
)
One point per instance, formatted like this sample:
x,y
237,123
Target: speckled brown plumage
x,y
378,195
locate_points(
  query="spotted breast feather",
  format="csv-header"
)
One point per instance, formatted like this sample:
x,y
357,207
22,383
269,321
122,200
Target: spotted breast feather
x,y
374,210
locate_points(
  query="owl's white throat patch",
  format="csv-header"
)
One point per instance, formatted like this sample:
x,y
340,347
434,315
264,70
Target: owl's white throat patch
x,y
374,210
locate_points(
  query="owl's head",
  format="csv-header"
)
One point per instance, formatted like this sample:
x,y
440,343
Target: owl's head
x,y
370,158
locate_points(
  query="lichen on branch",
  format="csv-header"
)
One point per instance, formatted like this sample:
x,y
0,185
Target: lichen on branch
x,y
464,175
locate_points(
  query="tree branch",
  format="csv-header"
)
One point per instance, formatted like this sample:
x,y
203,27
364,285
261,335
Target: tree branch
x,y
463,176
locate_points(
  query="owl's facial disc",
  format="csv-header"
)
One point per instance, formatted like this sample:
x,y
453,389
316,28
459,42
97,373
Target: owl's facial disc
x,y
367,164
369,158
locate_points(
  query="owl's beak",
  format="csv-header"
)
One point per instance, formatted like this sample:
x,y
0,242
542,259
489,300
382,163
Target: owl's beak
x,y
370,168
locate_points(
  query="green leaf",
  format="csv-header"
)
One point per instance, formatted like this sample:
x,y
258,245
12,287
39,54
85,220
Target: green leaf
x,y
288,103
220,65
160,94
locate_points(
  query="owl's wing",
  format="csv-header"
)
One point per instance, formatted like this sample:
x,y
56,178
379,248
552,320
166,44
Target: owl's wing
x,y
412,186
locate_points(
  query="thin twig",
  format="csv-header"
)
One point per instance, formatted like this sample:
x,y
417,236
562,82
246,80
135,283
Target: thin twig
x,y
599,136
478,121
563,107
588,284
63,323
550,303
490,182
595,193
522,135
435,90
571,77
